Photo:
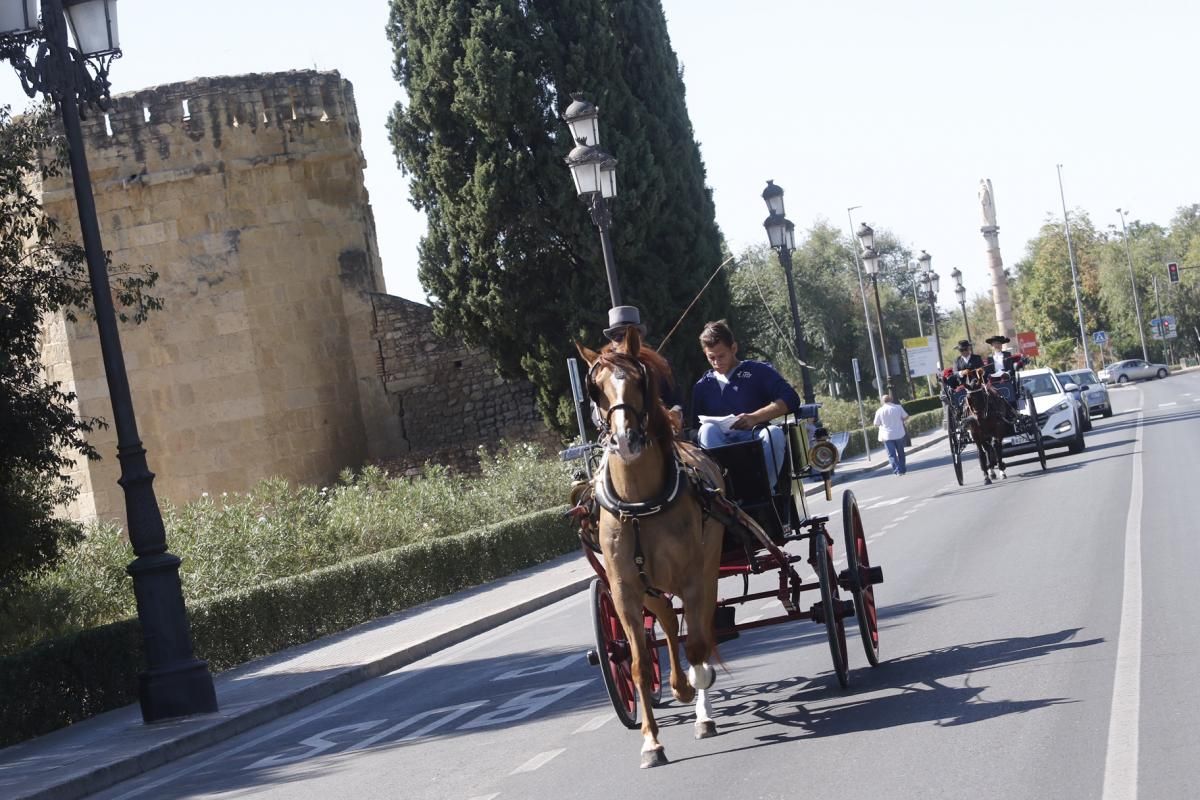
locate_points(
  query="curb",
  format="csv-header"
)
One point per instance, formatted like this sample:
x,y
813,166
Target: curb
x,y
123,769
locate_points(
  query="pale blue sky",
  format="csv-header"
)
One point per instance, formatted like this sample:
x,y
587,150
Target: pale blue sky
x,y
898,107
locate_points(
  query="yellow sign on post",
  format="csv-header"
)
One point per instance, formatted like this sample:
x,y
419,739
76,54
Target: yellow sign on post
x,y
922,356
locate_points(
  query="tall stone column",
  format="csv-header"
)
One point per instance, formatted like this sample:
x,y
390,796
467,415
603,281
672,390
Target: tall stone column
x,y
991,235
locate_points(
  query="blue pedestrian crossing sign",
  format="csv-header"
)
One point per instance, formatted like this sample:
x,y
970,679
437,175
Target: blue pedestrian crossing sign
x,y
1100,337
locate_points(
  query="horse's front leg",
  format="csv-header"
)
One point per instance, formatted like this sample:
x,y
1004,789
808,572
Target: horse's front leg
x,y
701,646
629,608
999,446
664,612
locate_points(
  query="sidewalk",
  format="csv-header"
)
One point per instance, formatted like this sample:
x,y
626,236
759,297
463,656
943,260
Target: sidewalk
x,y
105,750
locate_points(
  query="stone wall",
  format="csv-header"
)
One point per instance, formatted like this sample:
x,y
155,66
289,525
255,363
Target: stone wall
x,y
448,397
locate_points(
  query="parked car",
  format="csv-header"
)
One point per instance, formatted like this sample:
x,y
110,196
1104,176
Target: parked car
x,y
1057,415
1133,369
1073,391
1091,387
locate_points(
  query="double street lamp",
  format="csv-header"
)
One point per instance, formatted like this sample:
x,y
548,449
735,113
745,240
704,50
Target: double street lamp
x,y
960,291
929,286
175,683
595,175
866,236
782,235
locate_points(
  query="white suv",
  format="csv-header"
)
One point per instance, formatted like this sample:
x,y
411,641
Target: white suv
x,y
1057,415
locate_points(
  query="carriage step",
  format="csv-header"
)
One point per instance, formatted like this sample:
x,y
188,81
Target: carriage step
x,y
874,575
724,623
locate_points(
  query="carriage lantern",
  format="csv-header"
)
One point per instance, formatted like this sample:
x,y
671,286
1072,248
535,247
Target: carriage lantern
x,y
175,682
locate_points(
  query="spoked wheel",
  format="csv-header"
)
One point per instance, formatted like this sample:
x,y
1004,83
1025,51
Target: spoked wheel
x,y
613,655
861,577
656,661
1037,429
831,604
956,448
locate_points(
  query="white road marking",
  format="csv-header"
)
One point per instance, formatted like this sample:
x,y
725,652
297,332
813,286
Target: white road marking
x,y
886,527
394,677
883,503
491,796
1139,408
539,760
1167,405
1187,394
1121,758
754,618
595,723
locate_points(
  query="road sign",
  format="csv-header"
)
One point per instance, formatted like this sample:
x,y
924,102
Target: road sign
x,y
1173,272
922,356
1027,343
854,364
1100,337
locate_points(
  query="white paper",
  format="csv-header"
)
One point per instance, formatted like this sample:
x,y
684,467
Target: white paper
x,y
725,422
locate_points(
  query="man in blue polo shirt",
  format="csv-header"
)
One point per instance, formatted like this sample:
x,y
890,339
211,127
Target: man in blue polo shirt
x,y
752,392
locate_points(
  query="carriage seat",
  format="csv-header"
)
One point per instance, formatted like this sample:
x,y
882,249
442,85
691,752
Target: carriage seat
x,y
747,484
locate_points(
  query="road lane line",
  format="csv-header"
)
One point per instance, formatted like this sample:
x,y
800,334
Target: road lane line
x,y
595,723
1167,405
394,677
1121,757
541,759
491,796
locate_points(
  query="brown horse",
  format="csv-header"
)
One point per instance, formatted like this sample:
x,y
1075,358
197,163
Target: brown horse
x,y
987,423
654,537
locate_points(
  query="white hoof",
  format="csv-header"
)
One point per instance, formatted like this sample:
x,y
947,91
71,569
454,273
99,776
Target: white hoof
x,y
703,677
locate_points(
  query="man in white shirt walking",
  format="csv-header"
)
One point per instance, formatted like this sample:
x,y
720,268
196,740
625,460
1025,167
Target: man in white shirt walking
x,y
890,421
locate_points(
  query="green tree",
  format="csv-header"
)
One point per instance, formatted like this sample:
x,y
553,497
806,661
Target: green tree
x,y
41,273
1043,290
511,258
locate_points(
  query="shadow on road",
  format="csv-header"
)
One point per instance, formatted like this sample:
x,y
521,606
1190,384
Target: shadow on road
x,y
908,690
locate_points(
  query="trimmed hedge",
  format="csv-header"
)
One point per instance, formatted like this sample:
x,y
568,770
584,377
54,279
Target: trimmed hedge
x,y
917,423
75,677
914,407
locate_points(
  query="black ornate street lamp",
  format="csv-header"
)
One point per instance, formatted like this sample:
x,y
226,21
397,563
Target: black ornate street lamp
x,y
866,236
930,283
595,174
175,683
782,235
960,291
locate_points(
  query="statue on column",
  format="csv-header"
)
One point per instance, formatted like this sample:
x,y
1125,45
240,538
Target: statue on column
x,y
986,203
991,235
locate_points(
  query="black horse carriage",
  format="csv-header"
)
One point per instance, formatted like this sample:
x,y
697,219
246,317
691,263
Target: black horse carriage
x,y
1024,425
763,515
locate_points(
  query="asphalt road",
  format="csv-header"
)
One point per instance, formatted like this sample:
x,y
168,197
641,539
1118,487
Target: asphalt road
x,y
1037,637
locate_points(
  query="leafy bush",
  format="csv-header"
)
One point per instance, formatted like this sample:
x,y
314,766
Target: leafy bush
x,y
239,541
85,673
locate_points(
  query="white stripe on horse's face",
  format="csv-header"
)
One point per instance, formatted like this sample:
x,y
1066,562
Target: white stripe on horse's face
x,y
624,424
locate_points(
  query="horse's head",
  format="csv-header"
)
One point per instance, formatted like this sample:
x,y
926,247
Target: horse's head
x,y
978,399
626,393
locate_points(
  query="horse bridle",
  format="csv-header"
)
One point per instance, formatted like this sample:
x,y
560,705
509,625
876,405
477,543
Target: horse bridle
x,y
641,416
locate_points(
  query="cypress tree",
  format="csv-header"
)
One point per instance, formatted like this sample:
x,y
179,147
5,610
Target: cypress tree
x,y
511,259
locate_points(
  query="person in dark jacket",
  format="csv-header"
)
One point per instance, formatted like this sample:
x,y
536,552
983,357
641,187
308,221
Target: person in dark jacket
x,y
736,397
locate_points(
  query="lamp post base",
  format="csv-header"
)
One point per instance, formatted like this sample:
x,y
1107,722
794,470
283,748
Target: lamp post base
x,y
177,691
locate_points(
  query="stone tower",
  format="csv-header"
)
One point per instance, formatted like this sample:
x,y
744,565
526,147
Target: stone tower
x,y
246,194
991,235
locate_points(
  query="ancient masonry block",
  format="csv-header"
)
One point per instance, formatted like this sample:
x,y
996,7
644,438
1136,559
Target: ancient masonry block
x,y
270,356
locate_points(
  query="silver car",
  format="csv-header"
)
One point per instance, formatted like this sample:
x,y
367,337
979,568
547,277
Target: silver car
x,y
1091,388
1133,369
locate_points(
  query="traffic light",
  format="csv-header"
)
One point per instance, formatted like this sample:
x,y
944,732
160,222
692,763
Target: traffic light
x,y
1166,327
1173,272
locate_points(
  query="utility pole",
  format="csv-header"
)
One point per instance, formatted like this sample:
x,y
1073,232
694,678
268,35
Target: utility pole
x,y
1087,356
1137,308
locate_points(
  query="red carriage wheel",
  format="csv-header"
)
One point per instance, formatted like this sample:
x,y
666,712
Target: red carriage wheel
x,y
831,604
613,656
615,660
861,577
